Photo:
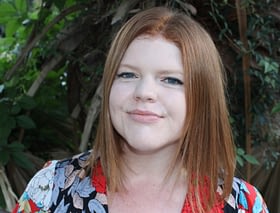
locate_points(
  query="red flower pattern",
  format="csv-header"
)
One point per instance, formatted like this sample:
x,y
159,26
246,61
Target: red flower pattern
x,y
98,179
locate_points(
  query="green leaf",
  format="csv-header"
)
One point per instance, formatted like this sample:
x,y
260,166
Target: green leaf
x,y
6,121
60,4
231,120
33,15
3,142
269,65
240,151
21,6
11,27
7,11
69,3
27,102
251,159
4,157
10,86
15,109
239,160
25,122
4,134
276,108
275,154
21,160
15,147
4,109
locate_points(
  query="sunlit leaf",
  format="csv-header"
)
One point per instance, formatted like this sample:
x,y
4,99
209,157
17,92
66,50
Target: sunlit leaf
x,y
6,9
11,27
5,44
33,15
21,6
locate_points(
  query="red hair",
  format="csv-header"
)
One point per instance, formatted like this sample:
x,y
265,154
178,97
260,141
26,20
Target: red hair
x,y
206,147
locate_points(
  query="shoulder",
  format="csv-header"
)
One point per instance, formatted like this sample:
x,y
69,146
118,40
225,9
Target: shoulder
x,y
38,195
246,198
76,162
69,172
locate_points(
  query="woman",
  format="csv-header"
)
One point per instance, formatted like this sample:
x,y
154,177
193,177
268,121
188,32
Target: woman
x,y
164,141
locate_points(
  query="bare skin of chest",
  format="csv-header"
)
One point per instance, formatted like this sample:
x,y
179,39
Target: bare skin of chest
x,y
148,198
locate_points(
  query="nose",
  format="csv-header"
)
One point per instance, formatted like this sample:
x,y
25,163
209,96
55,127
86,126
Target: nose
x,y
146,90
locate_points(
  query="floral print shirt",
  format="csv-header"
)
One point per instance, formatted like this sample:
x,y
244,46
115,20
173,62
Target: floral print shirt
x,y
63,186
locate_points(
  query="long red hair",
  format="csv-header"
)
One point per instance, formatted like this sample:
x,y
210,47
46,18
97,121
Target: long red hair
x,y
206,147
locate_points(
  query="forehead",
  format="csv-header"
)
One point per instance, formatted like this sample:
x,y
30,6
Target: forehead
x,y
146,50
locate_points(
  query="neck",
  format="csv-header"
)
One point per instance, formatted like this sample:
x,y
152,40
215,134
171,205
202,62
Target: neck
x,y
148,185
150,167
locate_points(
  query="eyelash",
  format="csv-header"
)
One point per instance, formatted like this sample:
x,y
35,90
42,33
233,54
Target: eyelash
x,y
174,81
168,80
126,75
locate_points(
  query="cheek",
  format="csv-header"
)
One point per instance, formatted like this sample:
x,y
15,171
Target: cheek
x,y
116,98
179,109
176,102
119,93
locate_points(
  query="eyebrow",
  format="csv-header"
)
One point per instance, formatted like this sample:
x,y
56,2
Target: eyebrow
x,y
129,66
172,72
165,71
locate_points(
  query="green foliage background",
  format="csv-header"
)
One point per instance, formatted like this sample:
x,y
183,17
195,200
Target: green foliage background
x,y
51,60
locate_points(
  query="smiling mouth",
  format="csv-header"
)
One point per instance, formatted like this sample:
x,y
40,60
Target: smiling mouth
x,y
144,116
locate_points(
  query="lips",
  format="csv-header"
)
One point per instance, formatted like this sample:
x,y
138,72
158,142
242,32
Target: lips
x,y
144,116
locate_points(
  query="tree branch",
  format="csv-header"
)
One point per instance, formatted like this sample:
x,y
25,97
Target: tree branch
x,y
242,24
33,42
91,116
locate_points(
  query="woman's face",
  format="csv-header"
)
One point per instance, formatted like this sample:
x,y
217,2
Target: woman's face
x,y
147,101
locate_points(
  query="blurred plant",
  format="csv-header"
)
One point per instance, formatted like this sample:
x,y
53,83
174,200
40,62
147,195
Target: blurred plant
x,y
262,34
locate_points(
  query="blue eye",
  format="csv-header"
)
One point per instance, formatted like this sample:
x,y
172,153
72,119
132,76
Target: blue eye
x,y
172,80
126,75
